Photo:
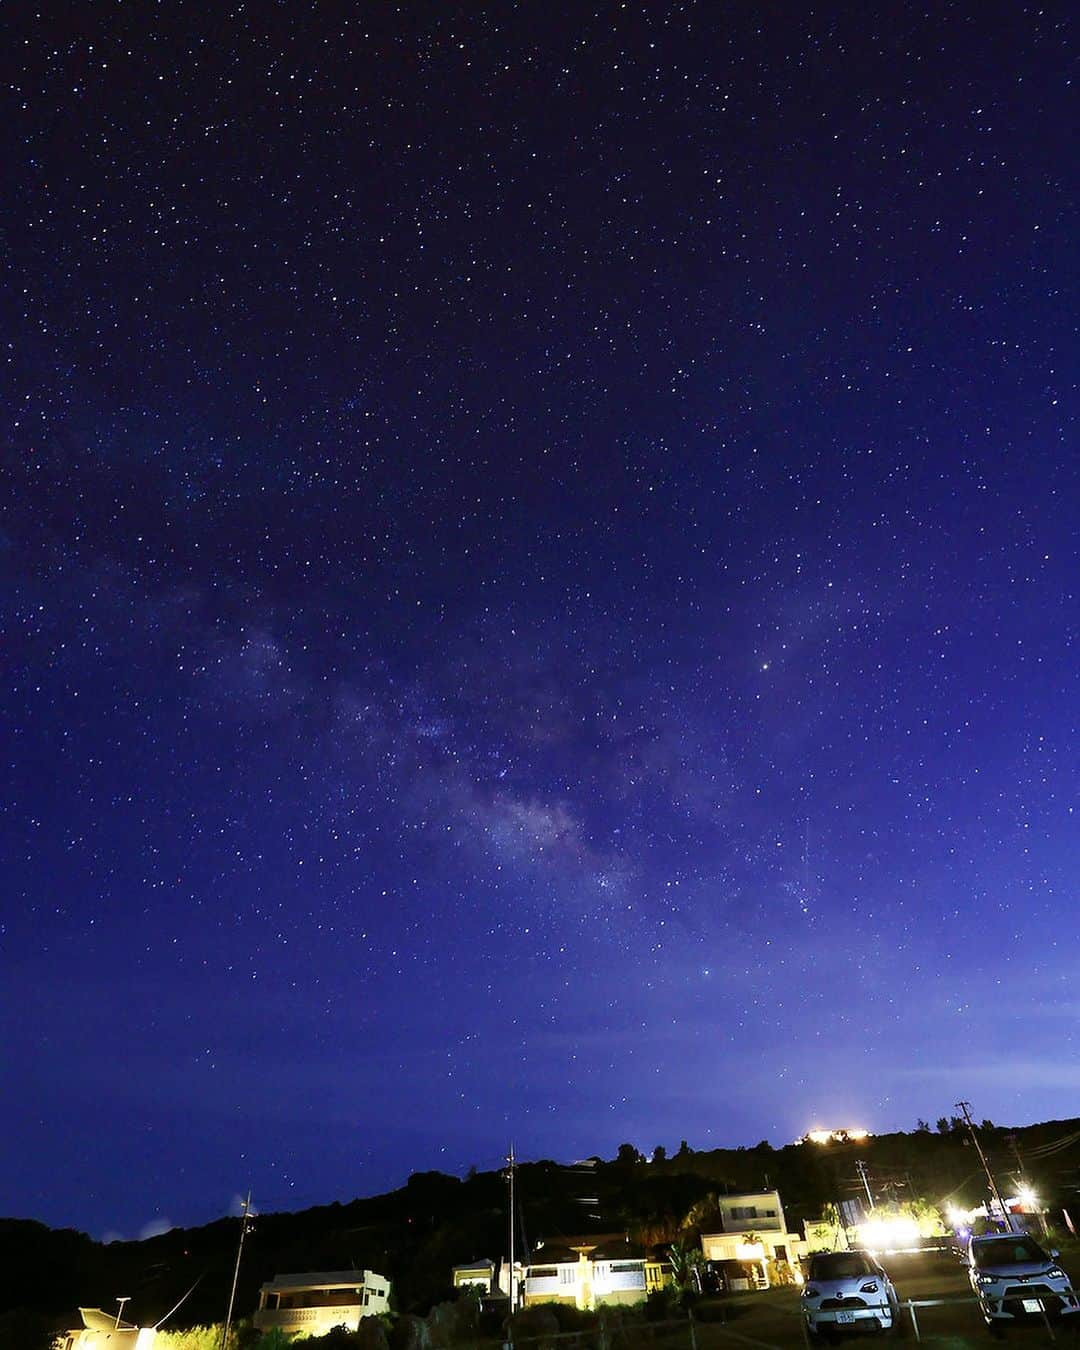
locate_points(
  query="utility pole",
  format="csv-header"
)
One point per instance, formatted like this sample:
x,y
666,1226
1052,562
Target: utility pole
x,y
965,1110
1024,1184
860,1167
245,1217
513,1273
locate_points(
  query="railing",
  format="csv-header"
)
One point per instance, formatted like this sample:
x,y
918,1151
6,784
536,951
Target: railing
x,y
344,1314
547,1284
911,1304
619,1279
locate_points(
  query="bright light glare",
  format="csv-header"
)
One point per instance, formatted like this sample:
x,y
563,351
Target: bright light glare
x,y
1027,1196
888,1234
750,1251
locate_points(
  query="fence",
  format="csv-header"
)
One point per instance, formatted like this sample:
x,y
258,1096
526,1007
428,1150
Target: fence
x,y
680,1333
683,1333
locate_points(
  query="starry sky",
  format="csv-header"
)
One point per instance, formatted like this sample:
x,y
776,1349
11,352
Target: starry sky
x,y
537,564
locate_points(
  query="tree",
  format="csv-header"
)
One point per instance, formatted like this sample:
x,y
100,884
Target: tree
x,y
943,1125
686,1263
684,1150
922,1127
659,1154
628,1156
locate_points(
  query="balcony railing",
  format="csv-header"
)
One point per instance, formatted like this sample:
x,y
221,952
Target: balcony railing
x,y
546,1284
347,1314
619,1279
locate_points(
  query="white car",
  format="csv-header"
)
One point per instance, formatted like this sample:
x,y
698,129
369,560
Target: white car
x,y
1015,1280
848,1290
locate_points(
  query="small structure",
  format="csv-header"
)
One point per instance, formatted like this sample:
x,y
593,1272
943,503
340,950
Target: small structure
x,y
753,1246
105,1331
316,1302
490,1277
475,1275
592,1272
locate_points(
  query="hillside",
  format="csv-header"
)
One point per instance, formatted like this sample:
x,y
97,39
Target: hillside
x,y
415,1234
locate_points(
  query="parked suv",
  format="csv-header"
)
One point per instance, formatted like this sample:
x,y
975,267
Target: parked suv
x,y
1014,1279
848,1289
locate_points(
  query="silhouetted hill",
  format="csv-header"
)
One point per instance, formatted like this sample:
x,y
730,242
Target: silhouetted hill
x,y
416,1233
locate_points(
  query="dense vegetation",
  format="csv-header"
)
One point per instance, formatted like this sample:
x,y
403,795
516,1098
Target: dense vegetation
x,y
417,1233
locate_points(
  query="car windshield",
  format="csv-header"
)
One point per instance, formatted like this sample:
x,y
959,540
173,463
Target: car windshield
x,y
840,1266
1007,1251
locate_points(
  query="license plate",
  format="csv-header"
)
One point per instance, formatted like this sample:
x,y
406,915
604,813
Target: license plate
x,y
1031,1305
846,1317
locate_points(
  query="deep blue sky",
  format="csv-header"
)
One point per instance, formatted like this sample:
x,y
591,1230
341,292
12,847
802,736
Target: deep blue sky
x,y
537,575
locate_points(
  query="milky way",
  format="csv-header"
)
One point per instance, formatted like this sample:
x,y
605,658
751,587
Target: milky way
x,y
538,565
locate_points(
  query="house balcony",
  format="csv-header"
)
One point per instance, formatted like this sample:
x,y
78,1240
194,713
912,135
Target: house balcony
x,y
540,1286
309,1320
617,1281
758,1225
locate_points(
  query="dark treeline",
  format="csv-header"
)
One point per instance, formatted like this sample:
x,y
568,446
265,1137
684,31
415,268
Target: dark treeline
x,y
418,1232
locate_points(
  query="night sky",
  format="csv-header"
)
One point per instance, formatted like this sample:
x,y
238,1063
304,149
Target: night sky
x,y
537,577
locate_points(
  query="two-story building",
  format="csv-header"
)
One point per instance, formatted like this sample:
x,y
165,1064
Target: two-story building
x,y
753,1245
316,1302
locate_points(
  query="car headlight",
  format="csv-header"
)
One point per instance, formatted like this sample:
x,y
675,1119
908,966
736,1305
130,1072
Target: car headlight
x,y
870,1288
811,1292
986,1279
1056,1273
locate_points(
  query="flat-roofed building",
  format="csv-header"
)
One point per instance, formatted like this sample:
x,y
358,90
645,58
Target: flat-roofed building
x,y
316,1302
752,1244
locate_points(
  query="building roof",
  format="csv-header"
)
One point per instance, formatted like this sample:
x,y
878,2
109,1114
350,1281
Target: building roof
x,y
96,1319
604,1247
482,1264
318,1279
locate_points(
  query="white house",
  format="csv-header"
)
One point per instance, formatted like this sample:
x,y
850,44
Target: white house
x,y
753,1233
316,1302
592,1272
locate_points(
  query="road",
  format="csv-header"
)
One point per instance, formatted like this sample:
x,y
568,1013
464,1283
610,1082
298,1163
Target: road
x,y
772,1318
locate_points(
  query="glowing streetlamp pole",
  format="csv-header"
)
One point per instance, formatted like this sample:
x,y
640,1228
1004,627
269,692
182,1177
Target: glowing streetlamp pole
x,y
120,1310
